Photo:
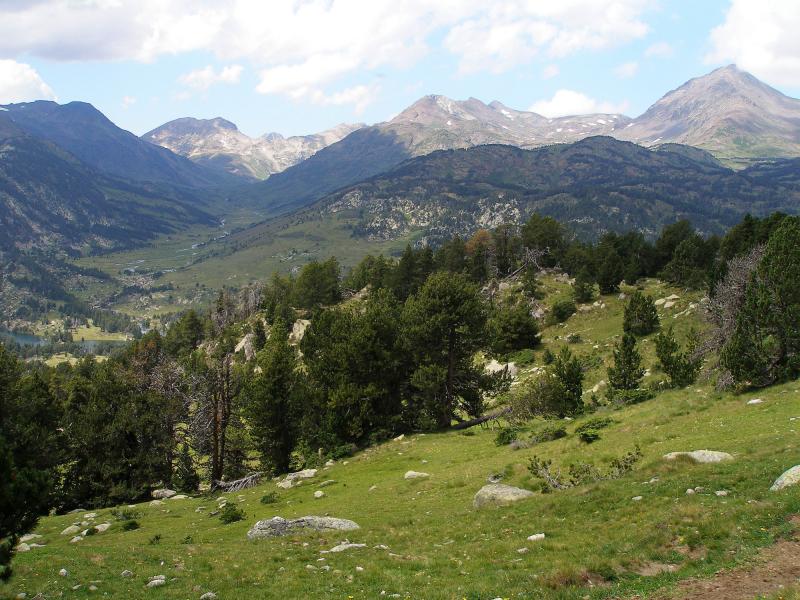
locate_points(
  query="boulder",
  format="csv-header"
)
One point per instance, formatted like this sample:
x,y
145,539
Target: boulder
x,y
342,547
127,574
701,456
788,478
669,304
319,494
156,502
660,301
499,494
496,367
102,527
536,537
23,547
298,330
292,478
30,537
71,530
278,526
163,493
755,401
179,497
247,346
415,475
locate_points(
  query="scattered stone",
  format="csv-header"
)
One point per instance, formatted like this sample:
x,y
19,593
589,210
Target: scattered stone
x,y
163,494
91,515
311,567
359,569
71,530
76,539
499,494
373,488
721,493
701,456
63,573
102,527
496,367
536,537
400,437
330,463
208,596
699,489
689,492
637,498
788,478
278,526
319,494
495,478
673,297
660,301
179,497
156,581
342,547
669,304
29,537
92,588
327,483
127,574
285,484
755,401
23,547
415,475
156,502
295,478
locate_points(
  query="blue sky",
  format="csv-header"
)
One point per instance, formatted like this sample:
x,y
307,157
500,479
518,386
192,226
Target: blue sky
x,y
302,66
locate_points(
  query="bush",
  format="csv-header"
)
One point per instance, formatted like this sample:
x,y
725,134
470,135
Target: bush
x,y
580,473
231,514
505,436
589,435
549,433
548,357
269,498
641,316
125,514
130,525
627,397
594,424
511,329
562,310
543,396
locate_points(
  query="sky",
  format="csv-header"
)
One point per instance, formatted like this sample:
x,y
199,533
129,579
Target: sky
x,y
302,66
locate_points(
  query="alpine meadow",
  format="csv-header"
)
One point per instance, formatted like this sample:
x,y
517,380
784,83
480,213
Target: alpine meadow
x,y
370,341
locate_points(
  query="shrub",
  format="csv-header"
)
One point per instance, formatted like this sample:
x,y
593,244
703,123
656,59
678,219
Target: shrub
x,y
594,424
269,498
589,435
580,473
230,514
125,514
641,316
549,433
548,357
562,310
130,525
186,478
543,396
155,540
505,436
511,329
627,397
682,368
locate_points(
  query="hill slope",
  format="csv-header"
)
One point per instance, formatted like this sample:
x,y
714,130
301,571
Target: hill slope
x,y
423,538
83,131
219,144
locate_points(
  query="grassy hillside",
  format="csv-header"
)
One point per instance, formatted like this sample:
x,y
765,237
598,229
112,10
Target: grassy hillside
x,y
423,537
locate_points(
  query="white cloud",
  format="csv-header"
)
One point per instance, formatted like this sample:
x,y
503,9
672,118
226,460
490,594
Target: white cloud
x,y
359,96
762,38
659,50
128,101
202,79
19,82
550,71
627,70
570,102
300,47
510,33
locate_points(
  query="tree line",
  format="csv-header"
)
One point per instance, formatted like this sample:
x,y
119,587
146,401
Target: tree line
x,y
286,374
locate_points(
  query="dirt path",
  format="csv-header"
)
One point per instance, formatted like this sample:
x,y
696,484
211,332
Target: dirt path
x,y
775,568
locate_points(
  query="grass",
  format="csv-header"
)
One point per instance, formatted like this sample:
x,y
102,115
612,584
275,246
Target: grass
x,y
439,546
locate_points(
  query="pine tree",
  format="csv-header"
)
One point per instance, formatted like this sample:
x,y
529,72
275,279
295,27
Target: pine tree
x,y
641,315
627,372
567,369
186,478
611,272
682,367
583,288
512,328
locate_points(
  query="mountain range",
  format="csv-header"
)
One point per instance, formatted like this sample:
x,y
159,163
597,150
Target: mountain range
x,y
218,143
73,182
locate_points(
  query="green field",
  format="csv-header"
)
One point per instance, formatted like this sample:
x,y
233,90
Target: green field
x,y
423,537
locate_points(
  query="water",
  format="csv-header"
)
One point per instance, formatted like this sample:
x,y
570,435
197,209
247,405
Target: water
x,y
27,339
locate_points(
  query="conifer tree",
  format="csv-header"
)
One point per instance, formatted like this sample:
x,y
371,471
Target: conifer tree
x,y
627,372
